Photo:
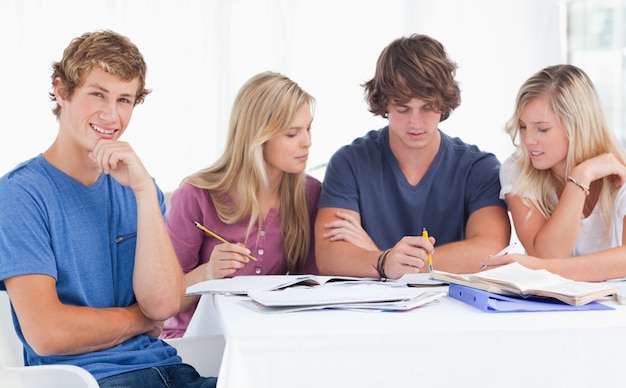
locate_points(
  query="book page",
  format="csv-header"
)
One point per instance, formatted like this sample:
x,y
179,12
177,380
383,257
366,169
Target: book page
x,y
520,278
579,289
620,289
240,285
529,282
468,280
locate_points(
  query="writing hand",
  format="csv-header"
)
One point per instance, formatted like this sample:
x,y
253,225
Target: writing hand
x,y
225,259
409,255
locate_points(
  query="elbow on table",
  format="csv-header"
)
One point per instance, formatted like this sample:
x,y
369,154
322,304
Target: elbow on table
x,y
322,262
325,264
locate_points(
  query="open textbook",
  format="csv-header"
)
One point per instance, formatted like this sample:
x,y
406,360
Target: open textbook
x,y
515,279
497,303
240,285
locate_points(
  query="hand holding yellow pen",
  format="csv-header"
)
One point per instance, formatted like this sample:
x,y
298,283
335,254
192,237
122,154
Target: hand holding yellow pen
x,y
217,236
430,257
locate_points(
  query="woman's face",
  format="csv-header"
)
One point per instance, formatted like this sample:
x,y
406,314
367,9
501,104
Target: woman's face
x,y
288,151
544,136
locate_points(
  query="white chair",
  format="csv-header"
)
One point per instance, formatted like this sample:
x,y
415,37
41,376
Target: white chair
x,y
203,352
13,373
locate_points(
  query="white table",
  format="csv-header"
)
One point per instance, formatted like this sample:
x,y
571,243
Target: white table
x,y
445,345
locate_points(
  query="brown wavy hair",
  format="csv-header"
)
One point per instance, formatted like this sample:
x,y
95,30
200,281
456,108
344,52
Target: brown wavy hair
x,y
414,67
106,50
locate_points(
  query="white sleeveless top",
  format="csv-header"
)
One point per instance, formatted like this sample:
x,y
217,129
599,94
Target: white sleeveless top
x,y
592,234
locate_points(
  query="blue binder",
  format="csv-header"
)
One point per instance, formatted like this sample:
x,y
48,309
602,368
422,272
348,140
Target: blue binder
x,y
497,303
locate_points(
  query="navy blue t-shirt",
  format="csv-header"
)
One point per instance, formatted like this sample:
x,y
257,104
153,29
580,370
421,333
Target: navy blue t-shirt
x,y
365,177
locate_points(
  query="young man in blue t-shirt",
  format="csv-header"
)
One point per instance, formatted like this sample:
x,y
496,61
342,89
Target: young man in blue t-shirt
x,y
84,253
383,190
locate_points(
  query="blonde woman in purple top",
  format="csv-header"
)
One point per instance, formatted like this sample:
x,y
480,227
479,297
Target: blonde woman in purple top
x,y
257,195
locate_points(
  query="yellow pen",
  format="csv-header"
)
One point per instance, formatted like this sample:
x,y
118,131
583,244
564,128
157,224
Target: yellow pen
x,y
430,257
217,236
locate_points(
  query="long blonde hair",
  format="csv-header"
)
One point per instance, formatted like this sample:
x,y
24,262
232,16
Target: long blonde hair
x,y
265,106
572,97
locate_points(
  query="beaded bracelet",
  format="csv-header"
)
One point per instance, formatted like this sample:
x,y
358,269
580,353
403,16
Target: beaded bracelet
x,y
584,188
380,268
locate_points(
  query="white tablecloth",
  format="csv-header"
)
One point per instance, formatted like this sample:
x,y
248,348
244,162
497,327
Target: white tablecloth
x,y
449,344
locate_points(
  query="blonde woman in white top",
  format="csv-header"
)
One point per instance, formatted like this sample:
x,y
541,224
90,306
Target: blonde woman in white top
x,y
564,183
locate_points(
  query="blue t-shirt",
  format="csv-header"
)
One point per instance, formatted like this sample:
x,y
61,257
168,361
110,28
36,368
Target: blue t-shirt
x,y
84,237
365,177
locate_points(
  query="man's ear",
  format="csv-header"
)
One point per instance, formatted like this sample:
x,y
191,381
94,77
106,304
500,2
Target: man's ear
x,y
60,92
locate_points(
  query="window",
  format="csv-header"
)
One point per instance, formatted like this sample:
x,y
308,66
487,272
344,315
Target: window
x,y
596,41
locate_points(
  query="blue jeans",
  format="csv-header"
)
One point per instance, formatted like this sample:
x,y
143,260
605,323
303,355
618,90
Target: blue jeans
x,y
169,376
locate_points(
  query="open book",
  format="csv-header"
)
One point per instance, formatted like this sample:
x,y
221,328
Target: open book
x,y
515,279
498,303
240,285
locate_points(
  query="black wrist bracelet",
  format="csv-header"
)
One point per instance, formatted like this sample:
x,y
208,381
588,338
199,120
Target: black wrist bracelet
x,y
380,268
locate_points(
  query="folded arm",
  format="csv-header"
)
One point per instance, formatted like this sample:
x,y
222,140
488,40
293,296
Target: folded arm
x,y
53,328
344,248
488,231
341,256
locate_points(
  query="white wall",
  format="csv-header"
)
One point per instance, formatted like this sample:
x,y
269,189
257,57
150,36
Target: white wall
x,y
199,53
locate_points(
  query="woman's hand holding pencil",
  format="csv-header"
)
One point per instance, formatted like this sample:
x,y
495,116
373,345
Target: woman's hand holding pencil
x,y
218,237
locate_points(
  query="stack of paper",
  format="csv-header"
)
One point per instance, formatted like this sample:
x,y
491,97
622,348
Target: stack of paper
x,y
240,285
280,293
353,296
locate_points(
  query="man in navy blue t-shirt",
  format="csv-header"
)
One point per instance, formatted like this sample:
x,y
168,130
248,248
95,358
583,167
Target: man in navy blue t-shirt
x,y
385,192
